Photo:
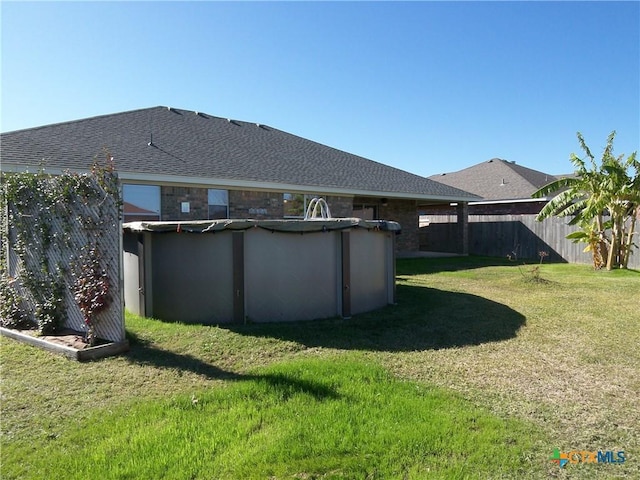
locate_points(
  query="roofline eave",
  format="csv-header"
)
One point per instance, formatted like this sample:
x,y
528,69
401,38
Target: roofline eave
x,y
193,181
513,200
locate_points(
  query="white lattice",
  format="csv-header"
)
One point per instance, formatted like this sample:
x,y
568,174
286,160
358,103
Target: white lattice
x,y
74,223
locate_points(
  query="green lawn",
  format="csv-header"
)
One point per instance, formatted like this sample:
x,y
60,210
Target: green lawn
x,y
476,373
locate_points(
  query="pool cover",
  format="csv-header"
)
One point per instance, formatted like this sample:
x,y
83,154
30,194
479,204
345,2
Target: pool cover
x,y
283,226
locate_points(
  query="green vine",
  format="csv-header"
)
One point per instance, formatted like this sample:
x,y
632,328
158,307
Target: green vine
x,y
28,202
44,218
12,311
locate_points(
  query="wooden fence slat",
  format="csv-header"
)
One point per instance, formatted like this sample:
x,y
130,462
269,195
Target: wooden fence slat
x,y
521,236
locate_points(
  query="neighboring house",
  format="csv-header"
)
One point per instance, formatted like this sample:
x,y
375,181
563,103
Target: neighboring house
x,y
505,187
184,165
504,222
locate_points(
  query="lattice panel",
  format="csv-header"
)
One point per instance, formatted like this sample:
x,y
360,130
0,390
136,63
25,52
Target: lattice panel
x,y
72,227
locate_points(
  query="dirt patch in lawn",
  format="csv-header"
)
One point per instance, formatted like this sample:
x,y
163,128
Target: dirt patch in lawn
x,y
66,337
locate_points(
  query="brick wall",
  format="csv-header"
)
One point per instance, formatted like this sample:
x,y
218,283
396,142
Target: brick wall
x,y
270,205
404,212
255,205
519,208
171,199
524,208
341,207
242,204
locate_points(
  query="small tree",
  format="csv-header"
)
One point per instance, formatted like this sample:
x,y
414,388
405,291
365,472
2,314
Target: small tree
x,y
611,188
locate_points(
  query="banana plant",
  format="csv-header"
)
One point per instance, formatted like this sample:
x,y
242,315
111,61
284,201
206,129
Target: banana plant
x,y
612,189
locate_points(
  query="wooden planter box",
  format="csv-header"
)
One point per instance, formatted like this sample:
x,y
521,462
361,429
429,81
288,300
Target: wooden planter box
x,y
68,343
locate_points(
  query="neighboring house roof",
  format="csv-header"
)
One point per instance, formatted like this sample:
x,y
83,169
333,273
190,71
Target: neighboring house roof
x,y
168,145
497,179
131,209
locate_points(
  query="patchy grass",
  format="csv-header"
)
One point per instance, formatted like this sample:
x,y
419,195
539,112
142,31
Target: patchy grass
x,y
573,368
556,363
302,419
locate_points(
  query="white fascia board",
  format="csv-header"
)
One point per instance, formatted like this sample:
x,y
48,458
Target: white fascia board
x,y
186,181
516,200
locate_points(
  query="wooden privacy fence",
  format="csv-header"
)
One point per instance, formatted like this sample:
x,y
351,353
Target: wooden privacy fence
x,y
521,236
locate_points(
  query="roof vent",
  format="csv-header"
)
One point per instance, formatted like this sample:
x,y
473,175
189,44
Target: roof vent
x,y
490,161
502,184
170,109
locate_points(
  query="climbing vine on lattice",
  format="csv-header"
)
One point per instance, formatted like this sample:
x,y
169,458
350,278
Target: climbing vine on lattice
x,y
54,254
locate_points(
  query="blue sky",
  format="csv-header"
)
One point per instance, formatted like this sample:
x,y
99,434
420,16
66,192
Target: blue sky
x,y
428,87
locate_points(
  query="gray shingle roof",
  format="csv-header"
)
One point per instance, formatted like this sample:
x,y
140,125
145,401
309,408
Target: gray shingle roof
x,y
196,145
497,179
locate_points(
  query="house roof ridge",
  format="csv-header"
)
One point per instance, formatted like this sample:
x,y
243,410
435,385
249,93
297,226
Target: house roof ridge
x,y
128,112
497,178
188,144
78,120
516,166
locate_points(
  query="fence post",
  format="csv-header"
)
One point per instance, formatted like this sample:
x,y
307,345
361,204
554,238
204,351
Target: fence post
x,y
462,211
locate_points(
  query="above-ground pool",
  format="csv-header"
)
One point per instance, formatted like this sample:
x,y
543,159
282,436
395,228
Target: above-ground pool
x,y
224,271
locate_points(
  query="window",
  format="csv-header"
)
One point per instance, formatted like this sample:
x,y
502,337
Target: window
x,y
294,204
141,203
218,204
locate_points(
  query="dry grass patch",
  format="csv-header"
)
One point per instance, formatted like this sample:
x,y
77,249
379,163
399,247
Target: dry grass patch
x,y
573,368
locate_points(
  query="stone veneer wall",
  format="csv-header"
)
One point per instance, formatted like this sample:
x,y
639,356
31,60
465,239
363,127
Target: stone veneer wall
x,y
405,212
171,199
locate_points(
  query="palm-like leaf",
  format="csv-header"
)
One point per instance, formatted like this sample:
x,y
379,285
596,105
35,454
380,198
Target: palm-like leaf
x,y
610,188
558,205
555,186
